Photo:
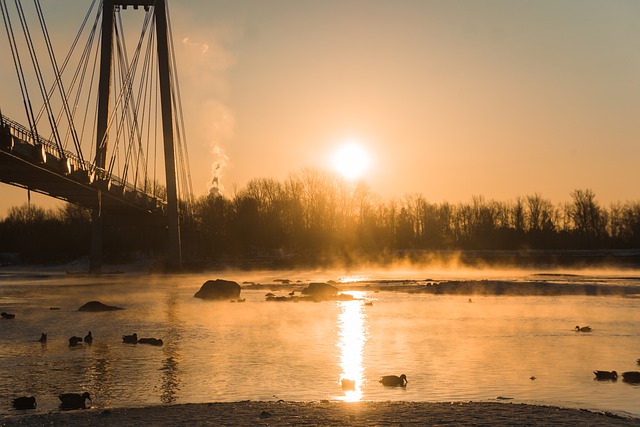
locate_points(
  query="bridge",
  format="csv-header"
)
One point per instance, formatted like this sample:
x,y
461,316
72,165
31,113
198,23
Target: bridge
x,y
135,100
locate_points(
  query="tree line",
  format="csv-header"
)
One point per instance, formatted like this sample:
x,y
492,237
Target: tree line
x,y
314,214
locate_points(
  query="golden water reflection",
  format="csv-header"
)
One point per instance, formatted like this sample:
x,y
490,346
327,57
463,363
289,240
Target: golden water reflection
x,y
352,324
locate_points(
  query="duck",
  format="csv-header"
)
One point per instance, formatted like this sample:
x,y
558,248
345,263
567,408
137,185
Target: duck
x,y
130,339
583,329
24,402
638,361
43,338
153,341
606,375
74,400
631,377
74,341
348,384
7,315
88,338
394,380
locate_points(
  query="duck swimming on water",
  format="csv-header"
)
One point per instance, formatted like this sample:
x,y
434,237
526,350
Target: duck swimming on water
x,y
24,402
74,341
152,341
74,400
606,375
348,384
583,329
130,339
631,377
394,380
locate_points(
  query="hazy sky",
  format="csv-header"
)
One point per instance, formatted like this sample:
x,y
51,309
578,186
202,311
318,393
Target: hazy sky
x,y
451,99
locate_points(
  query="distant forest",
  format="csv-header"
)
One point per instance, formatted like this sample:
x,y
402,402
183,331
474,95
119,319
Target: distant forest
x,y
318,217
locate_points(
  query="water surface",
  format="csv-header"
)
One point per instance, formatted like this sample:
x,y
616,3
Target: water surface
x,y
450,347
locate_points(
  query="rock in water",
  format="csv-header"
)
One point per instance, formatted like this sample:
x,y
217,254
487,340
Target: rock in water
x,y
218,289
98,306
320,290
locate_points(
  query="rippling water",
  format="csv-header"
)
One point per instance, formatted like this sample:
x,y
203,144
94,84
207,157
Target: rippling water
x,y
450,348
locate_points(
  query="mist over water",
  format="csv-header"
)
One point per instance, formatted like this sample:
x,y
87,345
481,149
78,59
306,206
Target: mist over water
x,y
451,347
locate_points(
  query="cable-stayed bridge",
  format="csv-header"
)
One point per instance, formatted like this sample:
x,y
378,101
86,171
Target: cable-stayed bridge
x,y
108,117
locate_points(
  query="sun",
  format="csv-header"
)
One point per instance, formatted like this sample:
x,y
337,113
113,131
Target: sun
x,y
351,160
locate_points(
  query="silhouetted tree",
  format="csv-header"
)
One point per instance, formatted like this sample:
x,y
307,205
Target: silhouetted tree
x,y
588,217
314,216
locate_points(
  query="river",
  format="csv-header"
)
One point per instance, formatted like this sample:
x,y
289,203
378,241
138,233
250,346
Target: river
x,y
451,347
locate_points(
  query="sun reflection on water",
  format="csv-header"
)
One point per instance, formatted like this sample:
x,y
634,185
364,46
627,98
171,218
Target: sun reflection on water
x,y
352,326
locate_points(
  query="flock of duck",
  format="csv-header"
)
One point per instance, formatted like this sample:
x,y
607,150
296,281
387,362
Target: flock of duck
x,y
630,376
74,400
67,401
78,401
127,339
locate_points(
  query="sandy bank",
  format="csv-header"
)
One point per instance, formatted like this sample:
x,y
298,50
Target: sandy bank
x,y
327,414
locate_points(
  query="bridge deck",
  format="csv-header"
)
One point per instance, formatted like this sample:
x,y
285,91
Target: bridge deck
x,y
37,168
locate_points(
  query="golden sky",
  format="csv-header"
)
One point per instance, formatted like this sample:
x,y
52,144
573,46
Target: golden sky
x,y
449,98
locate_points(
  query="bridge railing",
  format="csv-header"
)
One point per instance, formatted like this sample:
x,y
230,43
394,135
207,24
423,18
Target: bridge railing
x,y
16,137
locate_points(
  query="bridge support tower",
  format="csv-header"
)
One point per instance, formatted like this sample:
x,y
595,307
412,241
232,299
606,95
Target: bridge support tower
x,y
174,251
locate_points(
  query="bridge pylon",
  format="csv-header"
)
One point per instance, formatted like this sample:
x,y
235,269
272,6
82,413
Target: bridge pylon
x,y
102,129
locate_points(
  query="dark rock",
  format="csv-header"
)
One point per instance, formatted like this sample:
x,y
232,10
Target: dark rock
x,y
98,306
321,290
218,289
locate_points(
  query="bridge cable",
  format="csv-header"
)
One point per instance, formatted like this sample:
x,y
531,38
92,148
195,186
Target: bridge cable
x,y
68,57
184,154
82,68
75,75
145,99
91,85
129,109
39,77
19,71
143,90
135,153
56,70
118,100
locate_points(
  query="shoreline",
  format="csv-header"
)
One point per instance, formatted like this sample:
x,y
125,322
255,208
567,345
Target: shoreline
x,y
527,259
325,413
